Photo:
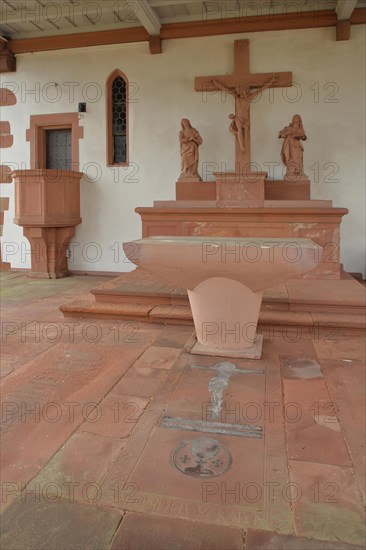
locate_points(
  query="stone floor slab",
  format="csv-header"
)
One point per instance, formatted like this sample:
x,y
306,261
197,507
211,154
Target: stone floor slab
x,y
140,382
159,472
346,382
128,333
44,404
327,503
340,347
158,358
76,470
267,540
313,430
116,416
300,368
57,526
290,340
147,532
174,336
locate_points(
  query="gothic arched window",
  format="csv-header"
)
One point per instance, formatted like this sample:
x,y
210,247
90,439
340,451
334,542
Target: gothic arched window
x,y
117,111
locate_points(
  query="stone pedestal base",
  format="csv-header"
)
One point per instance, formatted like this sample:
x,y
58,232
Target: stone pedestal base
x,y
281,190
286,189
232,187
48,250
191,191
189,179
225,315
253,352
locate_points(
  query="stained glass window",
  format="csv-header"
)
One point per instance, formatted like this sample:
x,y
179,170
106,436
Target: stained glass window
x,y
119,120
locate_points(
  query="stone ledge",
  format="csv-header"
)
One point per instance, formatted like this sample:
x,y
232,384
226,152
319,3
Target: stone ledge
x,y
87,307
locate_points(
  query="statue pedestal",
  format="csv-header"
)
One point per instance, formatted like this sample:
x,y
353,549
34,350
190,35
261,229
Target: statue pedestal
x,y
233,188
286,189
190,191
299,189
190,179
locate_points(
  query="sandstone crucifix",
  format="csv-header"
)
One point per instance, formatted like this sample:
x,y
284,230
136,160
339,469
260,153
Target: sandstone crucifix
x,y
244,86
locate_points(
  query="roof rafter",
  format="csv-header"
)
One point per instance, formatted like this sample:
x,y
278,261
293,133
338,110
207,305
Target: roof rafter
x,y
148,17
345,9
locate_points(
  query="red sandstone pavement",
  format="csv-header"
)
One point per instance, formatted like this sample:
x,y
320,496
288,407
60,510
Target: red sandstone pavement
x,y
100,448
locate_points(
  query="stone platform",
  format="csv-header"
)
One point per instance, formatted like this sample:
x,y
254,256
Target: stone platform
x,y
109,416
310,304
273,190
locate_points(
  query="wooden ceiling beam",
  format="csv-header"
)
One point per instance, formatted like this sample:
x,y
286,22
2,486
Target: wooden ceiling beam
x,y
79,40
304,20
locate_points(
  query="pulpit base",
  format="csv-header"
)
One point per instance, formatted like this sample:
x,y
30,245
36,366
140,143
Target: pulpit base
x,y
48,251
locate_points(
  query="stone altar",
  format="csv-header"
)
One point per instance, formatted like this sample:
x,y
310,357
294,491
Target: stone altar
x,y
243,203
240,204
225,282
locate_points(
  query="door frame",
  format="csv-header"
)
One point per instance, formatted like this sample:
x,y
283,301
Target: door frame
x,y
36,135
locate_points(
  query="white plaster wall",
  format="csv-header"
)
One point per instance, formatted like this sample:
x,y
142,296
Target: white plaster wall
x,y
162,89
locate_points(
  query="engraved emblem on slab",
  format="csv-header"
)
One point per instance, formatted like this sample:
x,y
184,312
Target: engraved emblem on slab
x,y
202,457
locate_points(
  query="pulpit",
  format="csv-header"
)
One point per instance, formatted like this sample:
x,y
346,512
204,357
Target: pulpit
x,y
47,206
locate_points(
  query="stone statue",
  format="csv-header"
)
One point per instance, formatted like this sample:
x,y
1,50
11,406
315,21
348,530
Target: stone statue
x,y
292,148
190,140
243,97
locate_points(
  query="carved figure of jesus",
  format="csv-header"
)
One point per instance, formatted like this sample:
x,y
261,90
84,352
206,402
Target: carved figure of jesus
x,y
243,97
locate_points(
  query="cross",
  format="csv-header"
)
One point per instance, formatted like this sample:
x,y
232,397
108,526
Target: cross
x,y
218,383
244,86
184,458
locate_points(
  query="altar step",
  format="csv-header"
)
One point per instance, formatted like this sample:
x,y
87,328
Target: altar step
x,y
142,296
